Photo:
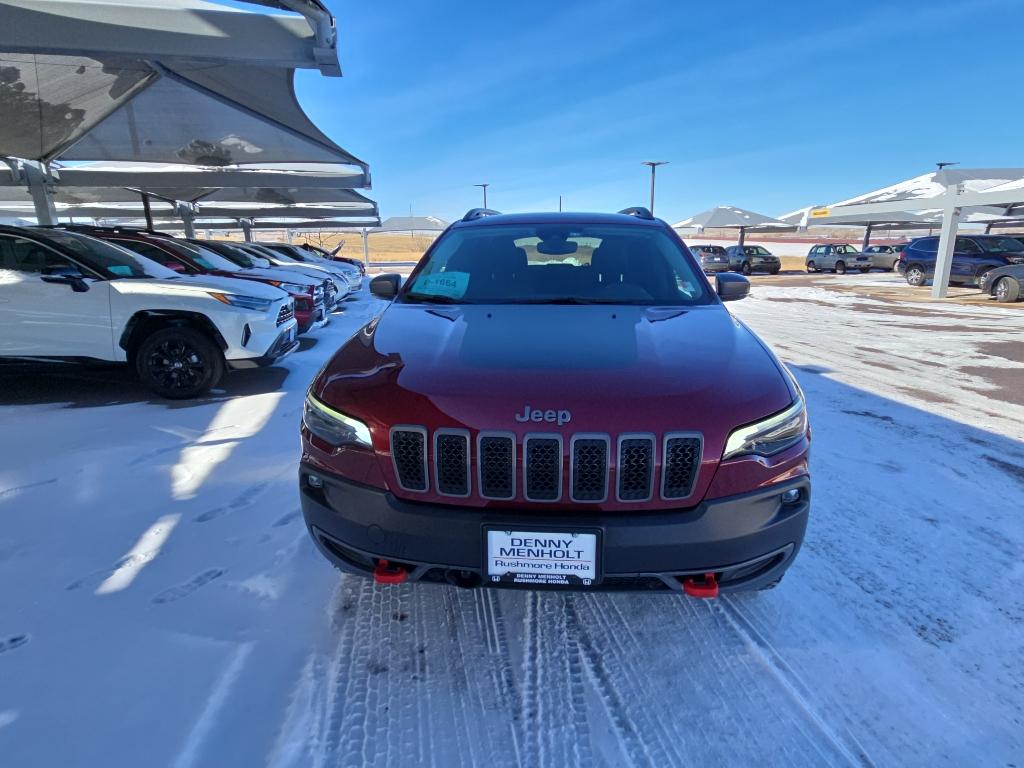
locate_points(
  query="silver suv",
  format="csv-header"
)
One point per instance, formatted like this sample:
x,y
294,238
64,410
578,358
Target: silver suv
x,y
837,258
753,258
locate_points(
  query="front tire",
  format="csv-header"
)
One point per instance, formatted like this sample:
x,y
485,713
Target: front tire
x,y
841,267
745,268
179,363
982,274
1007,290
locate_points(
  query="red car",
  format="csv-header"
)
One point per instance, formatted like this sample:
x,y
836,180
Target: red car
x,y
189,258
558,401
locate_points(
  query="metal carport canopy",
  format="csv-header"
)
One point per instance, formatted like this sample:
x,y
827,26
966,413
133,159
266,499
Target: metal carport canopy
x,y
175,81
731,217
996,191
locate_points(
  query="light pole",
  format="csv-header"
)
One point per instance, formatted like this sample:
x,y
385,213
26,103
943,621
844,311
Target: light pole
x,y
484,187
654,165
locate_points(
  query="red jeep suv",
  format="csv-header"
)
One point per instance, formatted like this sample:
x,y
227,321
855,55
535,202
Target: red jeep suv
x,y
558,401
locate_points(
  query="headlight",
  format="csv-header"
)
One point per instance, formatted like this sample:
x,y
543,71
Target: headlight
x,y
333,426
769,436
245,302
291,287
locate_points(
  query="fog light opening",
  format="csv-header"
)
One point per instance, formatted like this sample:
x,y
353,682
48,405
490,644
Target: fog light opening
x,y
314,481
792,496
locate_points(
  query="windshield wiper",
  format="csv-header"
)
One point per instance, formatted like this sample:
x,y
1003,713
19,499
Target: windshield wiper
x,y
429,298
560,300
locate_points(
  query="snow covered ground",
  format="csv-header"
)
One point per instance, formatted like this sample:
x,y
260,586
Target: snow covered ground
x,y
161,603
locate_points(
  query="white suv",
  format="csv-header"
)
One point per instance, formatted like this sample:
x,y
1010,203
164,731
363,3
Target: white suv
x,y
64,295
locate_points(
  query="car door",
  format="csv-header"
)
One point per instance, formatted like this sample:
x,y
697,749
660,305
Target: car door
x,y
50,319
826,258
967,257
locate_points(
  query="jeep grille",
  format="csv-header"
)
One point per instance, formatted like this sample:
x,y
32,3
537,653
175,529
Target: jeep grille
x,y
636,463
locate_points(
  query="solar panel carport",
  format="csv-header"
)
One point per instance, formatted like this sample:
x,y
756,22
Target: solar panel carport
x,y
951,196
175,81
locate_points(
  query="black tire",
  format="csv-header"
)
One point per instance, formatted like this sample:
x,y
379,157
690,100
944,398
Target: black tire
x,y
1007,289
811,267
745,268
840,267
980,277
864,270
915,275
774,270
179,363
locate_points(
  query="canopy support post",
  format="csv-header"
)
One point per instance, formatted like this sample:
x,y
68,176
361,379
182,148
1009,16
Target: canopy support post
x,y
743,236
867,238
366,247
146,210
246,229
947,240
42,194
187,218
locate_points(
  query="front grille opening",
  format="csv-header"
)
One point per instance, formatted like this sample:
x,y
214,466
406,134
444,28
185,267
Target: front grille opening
x,y
451,462
589,469
542,457
679,465
635,469
496,457
409,453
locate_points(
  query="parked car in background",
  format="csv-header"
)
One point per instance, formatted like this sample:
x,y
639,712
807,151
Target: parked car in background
x,y
1005,283
752,258
299,254
257,252
883,256
193,260
335,255
713,258
974,256
234,253
838,258
67,296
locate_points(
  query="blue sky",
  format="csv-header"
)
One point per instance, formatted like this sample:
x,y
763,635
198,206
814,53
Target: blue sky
x,y
769,106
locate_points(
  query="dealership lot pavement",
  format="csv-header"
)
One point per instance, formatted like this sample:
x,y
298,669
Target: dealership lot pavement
x,y
162,604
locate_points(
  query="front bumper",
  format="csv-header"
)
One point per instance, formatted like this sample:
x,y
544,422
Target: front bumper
x,y
748,541
285,343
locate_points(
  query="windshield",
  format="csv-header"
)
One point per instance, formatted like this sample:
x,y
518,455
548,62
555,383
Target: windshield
x,y
558,264
108,259
206,258
1000,244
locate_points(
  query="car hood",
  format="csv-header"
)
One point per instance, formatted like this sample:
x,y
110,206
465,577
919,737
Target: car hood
x,y
284,276
195,285
617,369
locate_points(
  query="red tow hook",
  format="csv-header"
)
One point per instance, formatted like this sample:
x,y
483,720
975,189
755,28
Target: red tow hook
x,y
707,589
385,573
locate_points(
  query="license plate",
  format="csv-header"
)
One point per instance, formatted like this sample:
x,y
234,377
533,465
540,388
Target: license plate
x,y
555,558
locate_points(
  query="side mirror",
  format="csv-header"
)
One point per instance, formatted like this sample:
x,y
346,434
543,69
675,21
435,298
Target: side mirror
x,y
385,286
731,287
76,281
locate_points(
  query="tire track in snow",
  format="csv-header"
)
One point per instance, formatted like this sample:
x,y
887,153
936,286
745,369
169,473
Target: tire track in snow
x,y
837,736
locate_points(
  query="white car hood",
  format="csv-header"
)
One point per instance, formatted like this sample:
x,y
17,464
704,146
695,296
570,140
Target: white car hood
x,y
195,285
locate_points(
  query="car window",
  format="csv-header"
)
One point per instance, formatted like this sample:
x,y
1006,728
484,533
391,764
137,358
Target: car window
x,y
966,245
1000,244
845,249
558,263
20,255
205,257
109,259
150,252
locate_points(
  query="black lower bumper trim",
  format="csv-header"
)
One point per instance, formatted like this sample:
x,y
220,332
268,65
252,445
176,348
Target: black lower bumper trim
x,y
748,541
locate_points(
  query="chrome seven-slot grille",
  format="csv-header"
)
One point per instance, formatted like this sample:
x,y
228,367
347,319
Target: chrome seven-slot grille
x,y
539,463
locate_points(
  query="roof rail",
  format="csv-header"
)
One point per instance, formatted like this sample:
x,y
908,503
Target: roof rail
x,y
639,211
478,213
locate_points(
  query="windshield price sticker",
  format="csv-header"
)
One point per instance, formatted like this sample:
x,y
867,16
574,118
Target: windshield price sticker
x,y
542,557
452,285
